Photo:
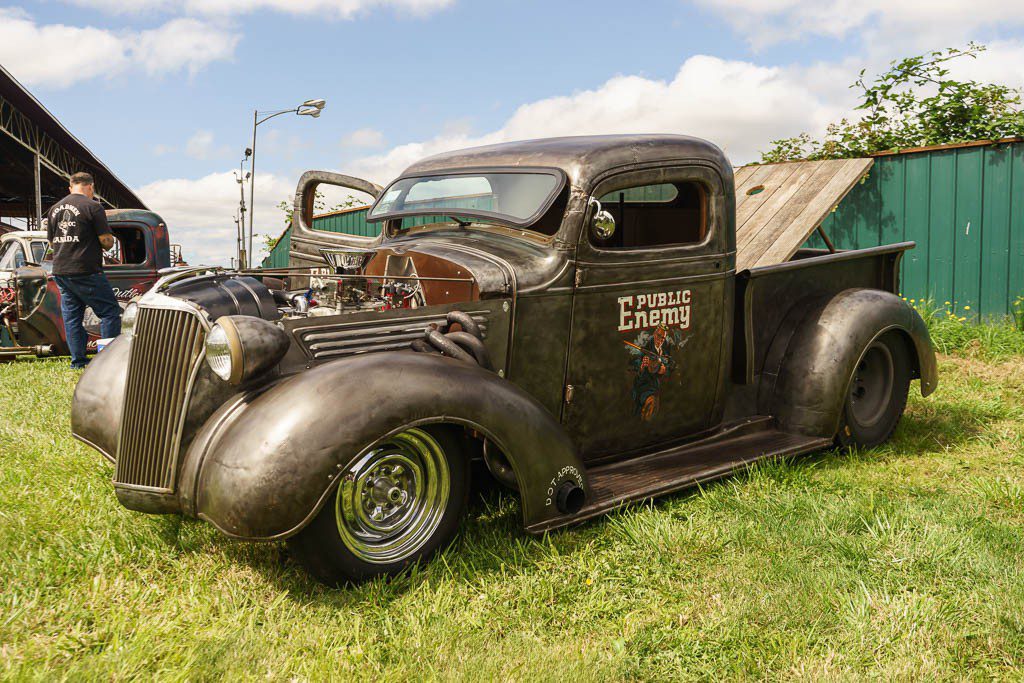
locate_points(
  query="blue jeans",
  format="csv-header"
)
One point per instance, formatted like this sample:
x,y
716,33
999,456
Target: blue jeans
x,y
77,292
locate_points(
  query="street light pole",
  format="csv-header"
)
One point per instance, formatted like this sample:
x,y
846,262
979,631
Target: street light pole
x,y
252,187
308,108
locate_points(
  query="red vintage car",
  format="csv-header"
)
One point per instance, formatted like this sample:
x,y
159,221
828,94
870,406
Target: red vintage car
x,y
30,301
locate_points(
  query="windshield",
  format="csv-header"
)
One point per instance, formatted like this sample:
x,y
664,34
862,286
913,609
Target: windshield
x,y
515,198
11,256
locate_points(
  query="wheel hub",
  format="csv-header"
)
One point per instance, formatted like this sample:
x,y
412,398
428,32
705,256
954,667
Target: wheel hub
x,y
391,499
871,388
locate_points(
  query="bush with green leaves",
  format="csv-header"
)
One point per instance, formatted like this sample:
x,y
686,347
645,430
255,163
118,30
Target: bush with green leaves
x,y
915,103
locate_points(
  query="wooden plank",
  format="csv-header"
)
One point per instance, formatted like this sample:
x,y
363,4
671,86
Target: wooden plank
x,y
752,228
772,177
790,237
816,176
750,181
741,174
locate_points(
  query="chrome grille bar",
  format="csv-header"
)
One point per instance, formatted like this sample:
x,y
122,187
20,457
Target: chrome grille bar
x,y
166,349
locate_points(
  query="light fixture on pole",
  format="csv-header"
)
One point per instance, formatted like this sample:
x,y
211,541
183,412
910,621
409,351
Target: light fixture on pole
x,y
241,177
311,108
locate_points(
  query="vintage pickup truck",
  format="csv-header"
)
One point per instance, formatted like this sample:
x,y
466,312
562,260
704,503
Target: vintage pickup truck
x,y
566,311
29,298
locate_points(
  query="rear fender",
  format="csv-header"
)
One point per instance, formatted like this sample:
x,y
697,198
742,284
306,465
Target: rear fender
x,y
827,345
265,463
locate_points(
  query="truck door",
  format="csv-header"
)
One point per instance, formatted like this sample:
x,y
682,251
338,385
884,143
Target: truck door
x,y
131,264
650,310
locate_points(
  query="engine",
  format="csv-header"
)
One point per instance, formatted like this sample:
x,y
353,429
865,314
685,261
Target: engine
x,y
361,280
336,294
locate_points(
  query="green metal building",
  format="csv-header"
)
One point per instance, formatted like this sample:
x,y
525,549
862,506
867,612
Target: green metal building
x,y
962,204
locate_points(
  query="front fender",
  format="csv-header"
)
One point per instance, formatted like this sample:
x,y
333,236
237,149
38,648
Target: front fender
x,y
265,463
99,398
826,346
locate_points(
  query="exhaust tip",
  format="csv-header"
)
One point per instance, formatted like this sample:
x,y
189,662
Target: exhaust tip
x,y
570,498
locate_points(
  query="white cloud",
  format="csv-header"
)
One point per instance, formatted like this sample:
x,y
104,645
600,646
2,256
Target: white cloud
x,y
201,146
332,9
200,212
912,24
180,44
738,105
364,137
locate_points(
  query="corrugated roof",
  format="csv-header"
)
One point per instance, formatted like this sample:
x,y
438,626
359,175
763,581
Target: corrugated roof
x,y
25,102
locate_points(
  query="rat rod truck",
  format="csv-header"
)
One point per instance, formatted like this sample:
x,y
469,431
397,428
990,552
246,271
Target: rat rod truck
x,y
30,301
566,310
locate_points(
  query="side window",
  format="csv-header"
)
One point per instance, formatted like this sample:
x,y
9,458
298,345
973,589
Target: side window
x,y
129,247
656,215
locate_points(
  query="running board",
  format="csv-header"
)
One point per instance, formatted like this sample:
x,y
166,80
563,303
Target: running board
x,y
625,481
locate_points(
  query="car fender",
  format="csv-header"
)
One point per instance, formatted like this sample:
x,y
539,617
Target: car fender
x,y
827,345
266,462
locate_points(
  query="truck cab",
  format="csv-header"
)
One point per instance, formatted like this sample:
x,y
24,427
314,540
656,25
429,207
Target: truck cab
x,y
566,311
31,316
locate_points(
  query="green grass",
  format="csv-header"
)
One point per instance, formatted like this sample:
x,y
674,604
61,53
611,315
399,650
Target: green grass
x,y
954,329
906,562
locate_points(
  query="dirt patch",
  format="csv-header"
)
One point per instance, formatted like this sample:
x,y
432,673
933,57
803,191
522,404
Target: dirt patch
x,y
1008,372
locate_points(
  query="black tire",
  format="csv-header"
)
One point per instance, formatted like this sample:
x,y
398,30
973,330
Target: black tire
x,y
877,395
333,550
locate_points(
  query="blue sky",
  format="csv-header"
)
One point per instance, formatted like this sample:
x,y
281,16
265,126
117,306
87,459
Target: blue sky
x,y
163,90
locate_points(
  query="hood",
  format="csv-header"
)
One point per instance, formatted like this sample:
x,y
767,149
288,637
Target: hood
x,y
499,264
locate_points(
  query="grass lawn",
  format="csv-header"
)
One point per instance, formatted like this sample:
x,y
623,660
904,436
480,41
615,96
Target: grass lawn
x,y
903,562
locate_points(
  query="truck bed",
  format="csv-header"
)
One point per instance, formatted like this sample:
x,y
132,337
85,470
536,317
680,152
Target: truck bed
x,y
771,299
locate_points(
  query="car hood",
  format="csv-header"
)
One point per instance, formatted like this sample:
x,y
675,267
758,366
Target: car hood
x,y
498,264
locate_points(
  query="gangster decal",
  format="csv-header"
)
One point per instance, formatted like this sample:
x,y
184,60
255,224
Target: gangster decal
x,y
660,319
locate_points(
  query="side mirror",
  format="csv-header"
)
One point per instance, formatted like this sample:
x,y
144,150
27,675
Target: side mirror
x,y
602,223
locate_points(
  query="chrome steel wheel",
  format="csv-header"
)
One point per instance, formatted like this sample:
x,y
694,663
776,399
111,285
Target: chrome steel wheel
x,y
872,387
392,499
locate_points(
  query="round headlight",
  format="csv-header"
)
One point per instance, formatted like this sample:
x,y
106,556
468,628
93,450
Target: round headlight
x,y
131,312
219,353
242,347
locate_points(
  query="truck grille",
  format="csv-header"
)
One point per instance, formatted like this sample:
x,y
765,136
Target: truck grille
x,y
165,350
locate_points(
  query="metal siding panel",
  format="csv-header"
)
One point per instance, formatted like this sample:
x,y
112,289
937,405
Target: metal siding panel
x,y
941,222
995,233
1015,285
891,199
866,224
916,205
841,222
967,230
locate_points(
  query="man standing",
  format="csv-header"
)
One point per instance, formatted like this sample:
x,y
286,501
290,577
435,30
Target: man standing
x,y
77,229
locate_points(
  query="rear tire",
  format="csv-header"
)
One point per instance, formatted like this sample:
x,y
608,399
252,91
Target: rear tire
x,y
395,505
877,395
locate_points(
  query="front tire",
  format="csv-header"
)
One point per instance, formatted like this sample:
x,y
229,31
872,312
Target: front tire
x,y
395,505
877,395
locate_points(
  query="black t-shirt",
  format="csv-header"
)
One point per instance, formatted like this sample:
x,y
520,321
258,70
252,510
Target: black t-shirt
x,y
73,227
